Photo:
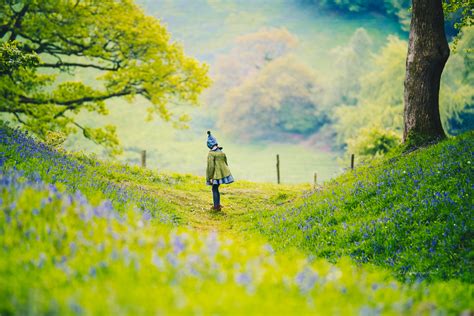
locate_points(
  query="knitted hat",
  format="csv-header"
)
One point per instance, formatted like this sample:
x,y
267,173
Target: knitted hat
x,y
211,140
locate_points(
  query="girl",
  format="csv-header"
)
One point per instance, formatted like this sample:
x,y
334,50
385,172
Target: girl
x,y
217,172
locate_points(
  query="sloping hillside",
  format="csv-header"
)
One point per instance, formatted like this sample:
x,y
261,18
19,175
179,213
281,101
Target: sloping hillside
x,y
81,236
410,213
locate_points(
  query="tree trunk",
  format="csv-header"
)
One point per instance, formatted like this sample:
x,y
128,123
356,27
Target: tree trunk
x,y
428,52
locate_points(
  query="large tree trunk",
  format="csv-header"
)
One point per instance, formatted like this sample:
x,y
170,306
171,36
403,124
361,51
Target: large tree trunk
x,y
428,52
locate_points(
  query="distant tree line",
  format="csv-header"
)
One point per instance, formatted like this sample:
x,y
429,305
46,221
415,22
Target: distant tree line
x,y
271,94
456,10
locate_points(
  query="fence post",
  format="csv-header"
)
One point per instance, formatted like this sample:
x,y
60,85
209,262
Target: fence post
x,y
144,158
352,162
315,179
278,168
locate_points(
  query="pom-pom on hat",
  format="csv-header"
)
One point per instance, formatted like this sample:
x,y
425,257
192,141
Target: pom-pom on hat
x,y
211,140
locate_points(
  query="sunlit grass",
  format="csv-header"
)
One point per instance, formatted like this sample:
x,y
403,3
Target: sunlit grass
x,y
79,235
410,213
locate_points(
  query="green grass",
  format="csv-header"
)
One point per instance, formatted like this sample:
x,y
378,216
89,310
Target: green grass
x,y
409,213
83,236
185,151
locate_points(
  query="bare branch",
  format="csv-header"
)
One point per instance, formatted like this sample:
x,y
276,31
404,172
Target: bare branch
x,y
68,64
76,103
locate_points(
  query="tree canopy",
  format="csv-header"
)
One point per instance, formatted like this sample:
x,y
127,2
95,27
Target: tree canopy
x,y
351,62
13,58
129,54
379,97
251,52
463,8
458,12
284,97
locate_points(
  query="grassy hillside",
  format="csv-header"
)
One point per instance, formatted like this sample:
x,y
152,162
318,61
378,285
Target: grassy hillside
x,y
410,213
82,236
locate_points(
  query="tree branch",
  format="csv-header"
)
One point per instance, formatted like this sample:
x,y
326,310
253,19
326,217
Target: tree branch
x,y
83,130
68,64
73,43
18,19
19,119
72,104
56,49
4,29
48,47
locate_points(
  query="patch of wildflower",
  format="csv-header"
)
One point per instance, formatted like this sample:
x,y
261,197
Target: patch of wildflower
x,y
411,214
62,253
40,162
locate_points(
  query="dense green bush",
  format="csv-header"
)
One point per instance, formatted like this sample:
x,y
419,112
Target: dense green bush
x,y
373,141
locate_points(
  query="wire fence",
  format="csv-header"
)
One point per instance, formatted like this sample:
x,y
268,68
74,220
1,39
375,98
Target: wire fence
x,y
291,168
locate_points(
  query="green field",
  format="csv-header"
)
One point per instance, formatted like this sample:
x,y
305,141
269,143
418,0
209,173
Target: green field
x,y
185,151
88,230
83,236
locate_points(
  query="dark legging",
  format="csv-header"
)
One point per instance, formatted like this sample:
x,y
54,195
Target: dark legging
x,y
216,197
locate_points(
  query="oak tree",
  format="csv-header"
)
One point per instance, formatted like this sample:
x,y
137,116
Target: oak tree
x,y
123,52
428,52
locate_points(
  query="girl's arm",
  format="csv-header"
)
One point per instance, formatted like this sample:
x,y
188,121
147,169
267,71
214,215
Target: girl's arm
x,y
225,160
210,167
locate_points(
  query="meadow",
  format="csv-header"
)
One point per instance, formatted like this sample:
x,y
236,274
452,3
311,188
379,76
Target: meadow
x,y
85,230
184,151
80,235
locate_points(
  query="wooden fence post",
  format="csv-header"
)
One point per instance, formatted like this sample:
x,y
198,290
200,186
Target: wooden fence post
x,y
144,158
352,162
315,179
278,169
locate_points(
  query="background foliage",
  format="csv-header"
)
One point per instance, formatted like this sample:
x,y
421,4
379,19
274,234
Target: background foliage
x,y
350,56
129,53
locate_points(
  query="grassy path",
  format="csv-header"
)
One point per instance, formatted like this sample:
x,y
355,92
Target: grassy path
x,y
191,201
84,241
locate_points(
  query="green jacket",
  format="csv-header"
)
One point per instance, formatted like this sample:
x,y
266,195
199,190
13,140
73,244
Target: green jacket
x,y
217,167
